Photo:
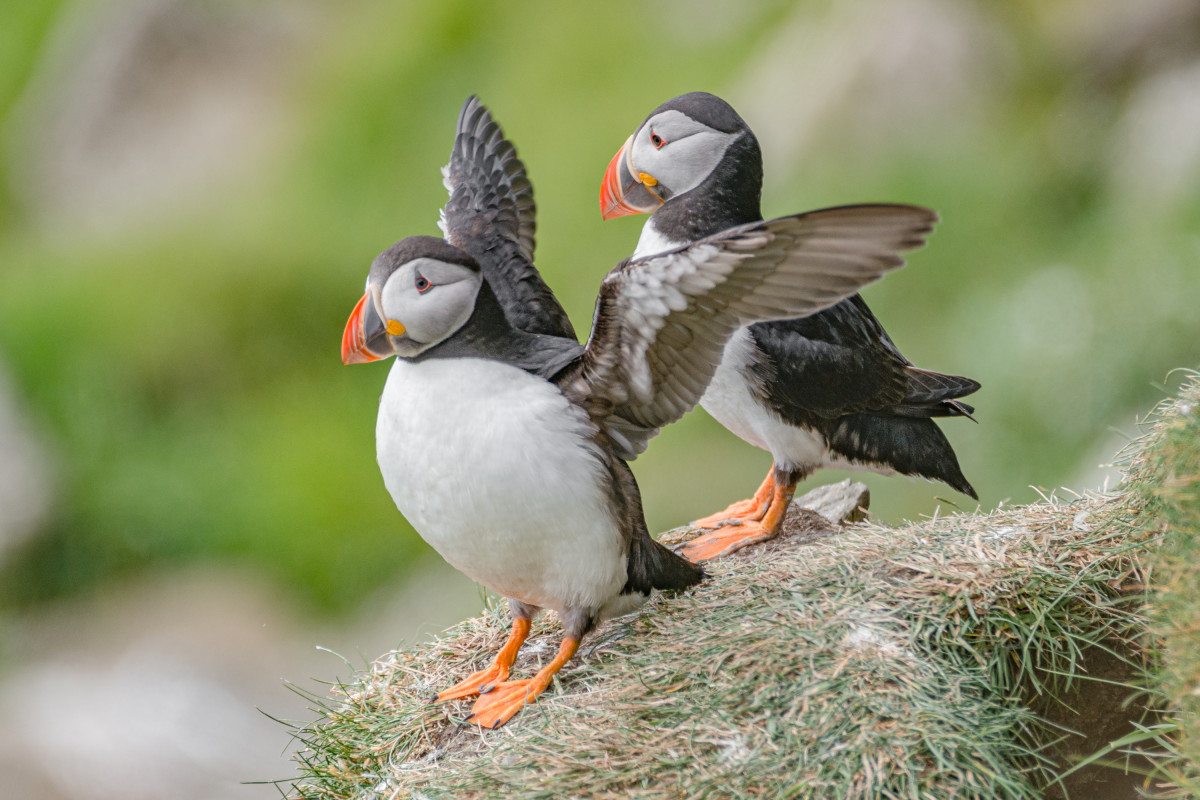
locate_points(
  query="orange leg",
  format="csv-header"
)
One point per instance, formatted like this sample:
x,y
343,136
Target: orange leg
x,y
753,509
497,672
724,541
504,700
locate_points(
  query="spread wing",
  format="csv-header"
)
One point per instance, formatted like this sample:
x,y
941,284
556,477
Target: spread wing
x,y
661,323
492,216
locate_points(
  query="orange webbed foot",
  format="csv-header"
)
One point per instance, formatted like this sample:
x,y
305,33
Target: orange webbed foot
x,y
724,541
734,514
477,682
504,700
498,671
742,511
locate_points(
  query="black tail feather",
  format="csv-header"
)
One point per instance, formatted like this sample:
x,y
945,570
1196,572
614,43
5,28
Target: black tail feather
x,y
661,568
935,394
909,445
927,386
650,565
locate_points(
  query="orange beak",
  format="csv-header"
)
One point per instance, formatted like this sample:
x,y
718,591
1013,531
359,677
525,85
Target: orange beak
x,y
622,192
356,339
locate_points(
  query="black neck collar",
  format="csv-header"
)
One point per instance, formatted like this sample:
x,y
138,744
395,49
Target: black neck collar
x,y
730,195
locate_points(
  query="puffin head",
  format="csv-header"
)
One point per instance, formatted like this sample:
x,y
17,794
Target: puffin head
x,y
672,152
420,291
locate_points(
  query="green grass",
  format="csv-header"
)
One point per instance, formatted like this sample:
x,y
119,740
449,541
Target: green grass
x,y
978,655
1167,483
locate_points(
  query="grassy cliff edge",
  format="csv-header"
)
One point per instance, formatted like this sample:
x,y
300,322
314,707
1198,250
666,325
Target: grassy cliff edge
x,y
1042,650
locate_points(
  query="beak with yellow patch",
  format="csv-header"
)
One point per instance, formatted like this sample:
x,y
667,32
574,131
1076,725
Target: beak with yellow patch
x,y
626,191
366,336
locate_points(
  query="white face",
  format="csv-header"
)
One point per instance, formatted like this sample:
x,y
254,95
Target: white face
x,y
676,152
431,299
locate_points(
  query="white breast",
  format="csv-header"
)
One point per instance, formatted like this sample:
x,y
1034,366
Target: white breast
x,y
495,469
651,242
732,402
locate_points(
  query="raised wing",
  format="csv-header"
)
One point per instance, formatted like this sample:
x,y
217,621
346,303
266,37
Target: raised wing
x,y
492,216
661,323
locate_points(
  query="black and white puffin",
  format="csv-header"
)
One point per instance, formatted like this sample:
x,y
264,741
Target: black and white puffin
x,y
828,390
506,449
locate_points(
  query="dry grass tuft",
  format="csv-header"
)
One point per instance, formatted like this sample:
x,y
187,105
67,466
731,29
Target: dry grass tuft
x,y
947,658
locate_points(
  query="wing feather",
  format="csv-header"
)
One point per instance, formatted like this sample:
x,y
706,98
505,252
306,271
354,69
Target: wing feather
x,y
491,214
661,323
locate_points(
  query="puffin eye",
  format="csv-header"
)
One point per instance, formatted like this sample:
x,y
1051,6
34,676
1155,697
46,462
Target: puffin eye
x,y
422,284
657,141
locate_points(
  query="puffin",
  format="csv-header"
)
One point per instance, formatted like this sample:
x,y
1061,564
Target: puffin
x,y
507,449
826,390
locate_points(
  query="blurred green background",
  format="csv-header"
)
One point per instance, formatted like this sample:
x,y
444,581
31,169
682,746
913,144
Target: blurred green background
x,y
191,194
174,344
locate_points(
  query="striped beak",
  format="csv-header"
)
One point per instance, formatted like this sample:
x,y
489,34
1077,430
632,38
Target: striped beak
x,y
624,192
366,337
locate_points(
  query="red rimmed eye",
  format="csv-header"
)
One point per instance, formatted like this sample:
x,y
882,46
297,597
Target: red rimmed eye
x,y
422,284
657,141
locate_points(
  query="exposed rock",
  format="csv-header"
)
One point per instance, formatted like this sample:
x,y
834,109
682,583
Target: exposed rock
x,y
845,501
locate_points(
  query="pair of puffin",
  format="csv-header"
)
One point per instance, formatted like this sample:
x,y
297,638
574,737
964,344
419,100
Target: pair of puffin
x,y
505,442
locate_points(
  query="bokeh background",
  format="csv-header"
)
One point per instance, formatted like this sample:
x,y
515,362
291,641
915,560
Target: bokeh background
x,y
191,192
